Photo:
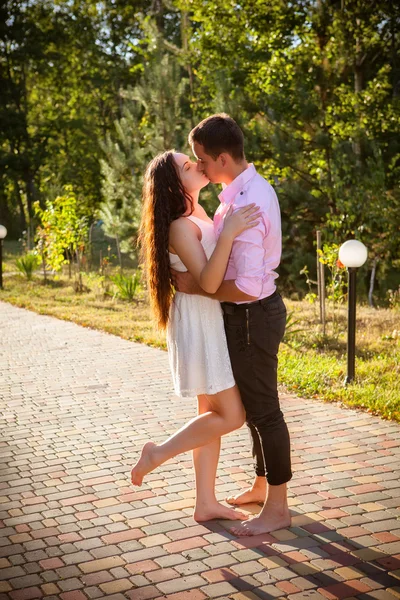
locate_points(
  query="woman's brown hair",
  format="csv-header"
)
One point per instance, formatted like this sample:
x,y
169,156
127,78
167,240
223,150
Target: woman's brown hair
x,y
164,200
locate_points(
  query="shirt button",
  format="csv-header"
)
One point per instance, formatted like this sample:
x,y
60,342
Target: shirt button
x,y
241,193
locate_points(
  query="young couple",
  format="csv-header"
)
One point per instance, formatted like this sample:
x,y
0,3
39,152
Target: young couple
x,y
226,320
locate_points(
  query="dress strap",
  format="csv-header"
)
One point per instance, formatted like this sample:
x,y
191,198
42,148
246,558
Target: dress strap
x,y
198,221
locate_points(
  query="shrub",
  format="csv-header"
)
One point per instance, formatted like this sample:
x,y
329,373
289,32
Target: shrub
x,y
292,328
127,287
27,265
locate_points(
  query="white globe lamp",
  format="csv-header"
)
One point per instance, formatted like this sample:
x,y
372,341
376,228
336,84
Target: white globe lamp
x,y
352,254
3,233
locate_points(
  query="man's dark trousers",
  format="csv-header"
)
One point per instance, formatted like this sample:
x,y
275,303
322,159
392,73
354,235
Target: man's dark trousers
x,y
254,331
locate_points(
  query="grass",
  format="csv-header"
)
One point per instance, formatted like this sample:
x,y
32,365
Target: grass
x,y
310,364
315,366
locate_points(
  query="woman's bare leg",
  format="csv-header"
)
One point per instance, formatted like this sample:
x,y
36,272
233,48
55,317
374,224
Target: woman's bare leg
x,y
227,415
205,461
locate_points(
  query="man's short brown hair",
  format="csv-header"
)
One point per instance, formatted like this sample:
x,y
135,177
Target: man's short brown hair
x,y
217,134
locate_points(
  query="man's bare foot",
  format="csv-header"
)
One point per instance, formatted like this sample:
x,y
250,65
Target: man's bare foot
x,y
247,497
217,511
256,493
145,464
266,522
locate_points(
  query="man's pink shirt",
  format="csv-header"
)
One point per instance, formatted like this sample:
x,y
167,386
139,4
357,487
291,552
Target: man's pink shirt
x,y
256,252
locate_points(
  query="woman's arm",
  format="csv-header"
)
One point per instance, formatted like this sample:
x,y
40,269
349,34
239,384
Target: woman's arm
x,y
186,243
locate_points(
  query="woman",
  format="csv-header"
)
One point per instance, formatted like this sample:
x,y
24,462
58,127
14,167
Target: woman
x,y
176,231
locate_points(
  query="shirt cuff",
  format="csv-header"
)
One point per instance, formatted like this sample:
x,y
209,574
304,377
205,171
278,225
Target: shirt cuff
x,y
251,286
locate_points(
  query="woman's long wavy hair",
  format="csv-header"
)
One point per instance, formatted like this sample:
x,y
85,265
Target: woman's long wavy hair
x,y
164,200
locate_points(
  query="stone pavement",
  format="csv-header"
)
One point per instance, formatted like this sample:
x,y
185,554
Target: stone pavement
x,y
76,406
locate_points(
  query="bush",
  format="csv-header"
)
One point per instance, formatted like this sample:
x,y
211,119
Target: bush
x,y
27,265
127,287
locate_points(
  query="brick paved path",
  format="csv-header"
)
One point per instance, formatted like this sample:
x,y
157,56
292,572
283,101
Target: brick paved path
x,y
76,407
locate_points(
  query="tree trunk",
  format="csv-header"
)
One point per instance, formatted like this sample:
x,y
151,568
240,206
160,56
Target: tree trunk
x,y
30,198
358,86
44,267
372,283
185,31
119,252
394,52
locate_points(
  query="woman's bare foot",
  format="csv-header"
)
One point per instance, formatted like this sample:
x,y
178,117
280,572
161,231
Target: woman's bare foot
x,y
145,464
266,522
217,511
256,493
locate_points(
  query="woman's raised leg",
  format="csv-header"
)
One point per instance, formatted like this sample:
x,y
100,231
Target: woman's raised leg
x,y
205,462
227,414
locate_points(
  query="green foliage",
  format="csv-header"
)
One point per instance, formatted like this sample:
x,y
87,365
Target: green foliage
x,y
27,265
336,281
292,328
318,86
152,121
62,66
311,297
337,274
394,298
63,231
127,286
91,91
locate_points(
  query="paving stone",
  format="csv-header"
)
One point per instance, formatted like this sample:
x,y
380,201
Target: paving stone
x,y
25,582
68,585
68,572
25,594
218,589
247,568
94,592
76,558
113,587
308,595
99,565
189,568
181,584
171,560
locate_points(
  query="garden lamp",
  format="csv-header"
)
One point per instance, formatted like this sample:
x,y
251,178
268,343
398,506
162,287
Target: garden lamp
x,y
352,254
3,233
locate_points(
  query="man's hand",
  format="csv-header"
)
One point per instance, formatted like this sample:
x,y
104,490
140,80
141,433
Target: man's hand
x,y
184,282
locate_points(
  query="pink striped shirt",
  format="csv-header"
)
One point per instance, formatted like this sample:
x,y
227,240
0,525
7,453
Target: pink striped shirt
x,y
256,252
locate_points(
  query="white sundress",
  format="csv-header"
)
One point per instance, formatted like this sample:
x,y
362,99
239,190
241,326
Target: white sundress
x,y
197,348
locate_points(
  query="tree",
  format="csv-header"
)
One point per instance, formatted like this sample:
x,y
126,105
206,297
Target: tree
x,y
61,68
320,85
153,120
63,231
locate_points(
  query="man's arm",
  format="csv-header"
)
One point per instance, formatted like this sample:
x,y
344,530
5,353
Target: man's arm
x,y
227,292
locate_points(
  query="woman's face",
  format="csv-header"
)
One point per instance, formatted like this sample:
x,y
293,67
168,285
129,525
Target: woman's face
x,y
193,180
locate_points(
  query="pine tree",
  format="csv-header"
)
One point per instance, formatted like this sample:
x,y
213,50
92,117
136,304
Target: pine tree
x,y
155,118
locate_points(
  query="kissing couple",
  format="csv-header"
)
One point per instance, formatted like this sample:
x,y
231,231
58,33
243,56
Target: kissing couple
x,y
223,316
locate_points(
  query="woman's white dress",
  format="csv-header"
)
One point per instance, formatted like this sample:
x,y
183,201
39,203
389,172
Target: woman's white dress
x,y
197,348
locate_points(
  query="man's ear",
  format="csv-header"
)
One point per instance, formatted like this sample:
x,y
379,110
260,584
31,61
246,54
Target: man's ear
x,y
223,159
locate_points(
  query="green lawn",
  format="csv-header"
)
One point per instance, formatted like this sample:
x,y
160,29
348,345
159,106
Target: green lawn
x,y
311,365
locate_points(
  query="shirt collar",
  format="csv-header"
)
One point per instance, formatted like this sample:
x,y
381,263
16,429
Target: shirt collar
x,y
229,192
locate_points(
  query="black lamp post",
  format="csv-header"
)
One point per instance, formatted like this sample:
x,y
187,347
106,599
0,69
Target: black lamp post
x,y
3,233
353,255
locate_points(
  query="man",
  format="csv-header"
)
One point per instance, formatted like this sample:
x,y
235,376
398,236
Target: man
x,y
254,314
